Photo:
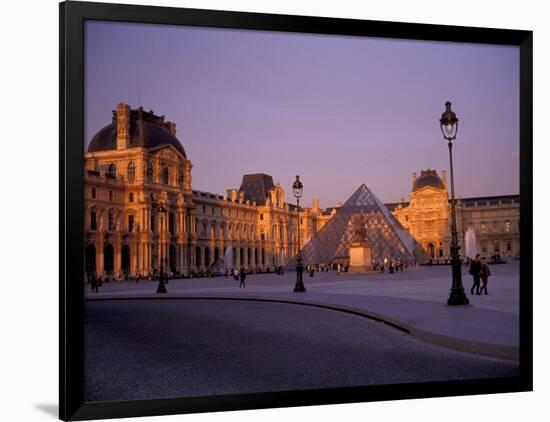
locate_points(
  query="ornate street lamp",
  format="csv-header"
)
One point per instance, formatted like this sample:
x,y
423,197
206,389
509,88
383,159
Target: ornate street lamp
x,y
297,187
161,210
449,128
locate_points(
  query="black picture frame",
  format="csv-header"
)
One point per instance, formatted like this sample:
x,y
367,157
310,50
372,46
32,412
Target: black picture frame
x,y
72,16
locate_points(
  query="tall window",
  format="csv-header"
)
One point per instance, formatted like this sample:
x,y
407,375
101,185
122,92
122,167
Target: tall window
x,y
171,223
131,197
496,246
507,227
495,227
429,228
149,173
180,177
483,227
131,171
93,193
484,246
130,223
110,195
111,222
165,175
111,171
152,223
508,245
93,221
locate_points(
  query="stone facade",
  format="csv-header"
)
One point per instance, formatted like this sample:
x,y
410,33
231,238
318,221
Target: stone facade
x,y
135,167
427,217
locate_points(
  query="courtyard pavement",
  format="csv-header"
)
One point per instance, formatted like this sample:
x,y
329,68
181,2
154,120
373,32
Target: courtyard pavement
x,y
145,349
414,301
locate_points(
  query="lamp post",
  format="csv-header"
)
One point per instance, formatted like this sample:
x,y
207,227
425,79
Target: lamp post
x,y
449,128
162,287
297,187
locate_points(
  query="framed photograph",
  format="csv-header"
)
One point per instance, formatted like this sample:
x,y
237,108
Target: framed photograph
x,y
268,211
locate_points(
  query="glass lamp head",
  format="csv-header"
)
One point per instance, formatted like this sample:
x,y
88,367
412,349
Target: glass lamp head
x,y
449,123
297,187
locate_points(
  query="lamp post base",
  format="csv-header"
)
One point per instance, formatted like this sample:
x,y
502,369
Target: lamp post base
x,y
162,287
299,287
457,297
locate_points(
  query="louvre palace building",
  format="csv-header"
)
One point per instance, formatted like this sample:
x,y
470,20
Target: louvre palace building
x,y
427,217
141,210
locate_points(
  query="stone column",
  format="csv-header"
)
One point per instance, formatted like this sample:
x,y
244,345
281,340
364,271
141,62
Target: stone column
x,y
99,267
238,255
118,255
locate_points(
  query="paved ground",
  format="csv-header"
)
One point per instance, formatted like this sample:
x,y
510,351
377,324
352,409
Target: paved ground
x,y
141,349
423,283
414,300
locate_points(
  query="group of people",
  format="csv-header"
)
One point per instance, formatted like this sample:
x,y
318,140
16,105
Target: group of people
x,y
238,274
480,272
392,265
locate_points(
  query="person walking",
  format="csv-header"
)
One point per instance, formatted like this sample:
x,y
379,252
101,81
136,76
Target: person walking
x,y
484,274
475,270
242,274
95,283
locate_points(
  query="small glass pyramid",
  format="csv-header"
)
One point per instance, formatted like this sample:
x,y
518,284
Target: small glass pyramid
x,y
365,216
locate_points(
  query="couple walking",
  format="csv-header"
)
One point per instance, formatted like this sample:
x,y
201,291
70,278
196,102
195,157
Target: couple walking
x,y
480,272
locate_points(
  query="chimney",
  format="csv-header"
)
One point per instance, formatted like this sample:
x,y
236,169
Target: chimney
x,y
414,178
122,126
232,194
444,178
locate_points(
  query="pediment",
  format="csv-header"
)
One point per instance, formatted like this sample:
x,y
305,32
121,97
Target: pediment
x,y
168,152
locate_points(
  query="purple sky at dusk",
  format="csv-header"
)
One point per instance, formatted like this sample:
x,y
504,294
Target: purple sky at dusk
x,y
337,110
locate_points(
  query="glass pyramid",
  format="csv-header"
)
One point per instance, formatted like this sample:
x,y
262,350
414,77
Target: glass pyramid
x,y
362,217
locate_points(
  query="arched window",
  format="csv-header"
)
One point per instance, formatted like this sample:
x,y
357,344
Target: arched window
x,y
131,171
180,177
111,171
165,175
149,173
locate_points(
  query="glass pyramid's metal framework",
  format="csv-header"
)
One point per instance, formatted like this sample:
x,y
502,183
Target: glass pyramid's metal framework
x,y
362,212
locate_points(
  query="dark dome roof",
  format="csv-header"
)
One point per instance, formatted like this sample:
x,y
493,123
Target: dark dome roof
x,y
146,130
428,178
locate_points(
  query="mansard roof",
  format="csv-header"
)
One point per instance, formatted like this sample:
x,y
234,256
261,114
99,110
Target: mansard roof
x,y
256,187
